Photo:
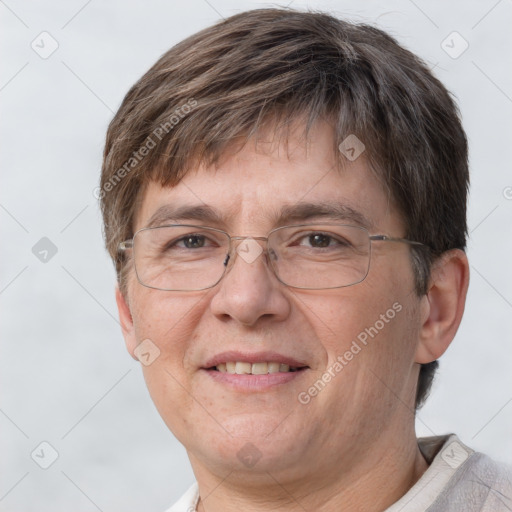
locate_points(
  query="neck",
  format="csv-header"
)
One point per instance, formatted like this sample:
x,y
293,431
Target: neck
x,y
365,485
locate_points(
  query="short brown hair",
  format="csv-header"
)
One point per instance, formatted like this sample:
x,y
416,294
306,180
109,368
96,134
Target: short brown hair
x,y
230,79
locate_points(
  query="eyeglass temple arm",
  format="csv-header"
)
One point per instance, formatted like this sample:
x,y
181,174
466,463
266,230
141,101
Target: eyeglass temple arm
x,y
386,238
127,244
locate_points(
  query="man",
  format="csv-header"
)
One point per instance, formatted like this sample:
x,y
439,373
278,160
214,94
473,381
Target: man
x,y
284,198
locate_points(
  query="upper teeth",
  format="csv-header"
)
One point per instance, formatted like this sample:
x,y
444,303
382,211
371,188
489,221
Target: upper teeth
x,y
241,368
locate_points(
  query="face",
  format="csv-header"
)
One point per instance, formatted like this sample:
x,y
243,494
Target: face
x,y
354,346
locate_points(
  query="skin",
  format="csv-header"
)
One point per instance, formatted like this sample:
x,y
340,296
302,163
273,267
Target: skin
x,y
353,446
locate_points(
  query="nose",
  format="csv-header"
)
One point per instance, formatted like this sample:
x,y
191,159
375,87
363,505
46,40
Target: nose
x,y
249,291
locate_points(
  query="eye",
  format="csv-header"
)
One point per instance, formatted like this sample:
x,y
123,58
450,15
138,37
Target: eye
x,y
192,241
320,240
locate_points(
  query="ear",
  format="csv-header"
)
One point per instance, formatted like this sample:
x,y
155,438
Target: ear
x,y
126,320
443,305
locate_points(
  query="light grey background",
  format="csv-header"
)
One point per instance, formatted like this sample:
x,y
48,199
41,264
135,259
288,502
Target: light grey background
x,y
65,375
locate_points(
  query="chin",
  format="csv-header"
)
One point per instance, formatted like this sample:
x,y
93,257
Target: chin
x,y
253,456
256,442
258,426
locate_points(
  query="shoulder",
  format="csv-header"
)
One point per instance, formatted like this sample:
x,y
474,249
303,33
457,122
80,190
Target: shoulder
x,y
458,478
490,479
476,482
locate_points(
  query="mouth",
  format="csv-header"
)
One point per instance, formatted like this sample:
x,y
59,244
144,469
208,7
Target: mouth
x,y
259,368
253,372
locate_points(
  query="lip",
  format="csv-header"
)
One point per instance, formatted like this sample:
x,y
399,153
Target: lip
x,y
252,383
255,357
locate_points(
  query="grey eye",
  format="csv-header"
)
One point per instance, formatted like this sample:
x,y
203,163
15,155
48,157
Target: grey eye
x,y
194,241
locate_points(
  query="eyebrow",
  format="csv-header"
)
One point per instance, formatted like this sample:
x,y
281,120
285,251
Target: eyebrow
x,y
301,212
327,210
169,213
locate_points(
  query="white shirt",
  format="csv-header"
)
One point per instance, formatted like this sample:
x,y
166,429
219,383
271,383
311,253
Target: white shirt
x,y
457,480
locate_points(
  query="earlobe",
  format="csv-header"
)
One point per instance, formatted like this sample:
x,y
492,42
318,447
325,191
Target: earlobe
x,y
442,307
126,320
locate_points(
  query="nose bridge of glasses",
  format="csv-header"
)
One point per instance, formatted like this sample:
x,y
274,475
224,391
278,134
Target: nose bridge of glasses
x,y
249,248
243,244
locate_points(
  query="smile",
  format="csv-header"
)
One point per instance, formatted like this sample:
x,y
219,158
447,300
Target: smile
x,y
253,371
260,368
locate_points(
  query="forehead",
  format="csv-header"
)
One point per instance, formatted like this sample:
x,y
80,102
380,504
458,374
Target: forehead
x,y
269,183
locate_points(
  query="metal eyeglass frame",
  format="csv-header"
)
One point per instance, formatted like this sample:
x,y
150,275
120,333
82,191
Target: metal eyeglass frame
x,y
129,244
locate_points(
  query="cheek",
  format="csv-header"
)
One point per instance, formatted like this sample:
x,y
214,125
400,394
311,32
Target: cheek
x,y
374,322
169,320
174,404
350,314
162,313
370,353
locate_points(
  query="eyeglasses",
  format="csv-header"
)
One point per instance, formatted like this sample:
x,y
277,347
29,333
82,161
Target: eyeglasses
x,y
307,256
